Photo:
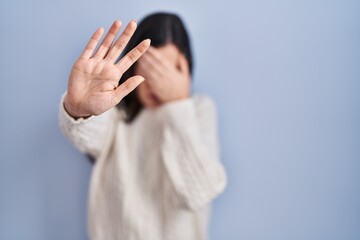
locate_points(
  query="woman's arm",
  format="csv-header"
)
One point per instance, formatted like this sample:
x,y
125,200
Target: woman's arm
x,y
190,151
88,135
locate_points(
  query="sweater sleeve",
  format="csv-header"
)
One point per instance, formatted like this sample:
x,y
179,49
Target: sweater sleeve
x,y
87,135
190,151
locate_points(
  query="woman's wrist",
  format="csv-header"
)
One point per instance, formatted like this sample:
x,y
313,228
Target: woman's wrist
x,y
70,110
177,97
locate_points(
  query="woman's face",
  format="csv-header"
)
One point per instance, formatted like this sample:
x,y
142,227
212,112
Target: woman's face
x,y
146,96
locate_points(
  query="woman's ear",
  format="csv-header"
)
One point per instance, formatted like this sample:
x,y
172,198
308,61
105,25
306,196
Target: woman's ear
x,y
182,64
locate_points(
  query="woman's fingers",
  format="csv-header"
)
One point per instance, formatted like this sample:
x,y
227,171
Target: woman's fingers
x,y
145,70
152,77
131,57
152,64
125,88
121,42
158,57
91,45
108,40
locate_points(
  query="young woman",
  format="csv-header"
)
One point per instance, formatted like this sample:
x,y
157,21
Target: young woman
x,y
155,149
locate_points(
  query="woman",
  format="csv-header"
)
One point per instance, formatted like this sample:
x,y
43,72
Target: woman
x,y
155,149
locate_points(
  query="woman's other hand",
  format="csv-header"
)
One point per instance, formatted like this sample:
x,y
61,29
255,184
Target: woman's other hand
x,y
93,85
168,81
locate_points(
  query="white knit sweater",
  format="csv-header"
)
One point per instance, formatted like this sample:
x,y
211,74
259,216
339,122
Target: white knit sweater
x,y
155,177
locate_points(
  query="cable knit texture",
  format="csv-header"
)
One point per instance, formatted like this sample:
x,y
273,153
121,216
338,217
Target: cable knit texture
x,y
154,178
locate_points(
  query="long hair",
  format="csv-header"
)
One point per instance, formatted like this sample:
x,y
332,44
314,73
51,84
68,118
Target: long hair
x,y
162,28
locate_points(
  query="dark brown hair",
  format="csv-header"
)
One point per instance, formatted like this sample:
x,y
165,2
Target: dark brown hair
x,y
162,28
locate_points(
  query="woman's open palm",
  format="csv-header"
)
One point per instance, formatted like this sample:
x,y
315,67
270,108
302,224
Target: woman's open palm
x,y
93,86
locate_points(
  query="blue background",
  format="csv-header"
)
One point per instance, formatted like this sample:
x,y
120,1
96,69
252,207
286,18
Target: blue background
x,y
286,79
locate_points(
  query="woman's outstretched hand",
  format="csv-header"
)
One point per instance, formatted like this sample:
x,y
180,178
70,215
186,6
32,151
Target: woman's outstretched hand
x,y
93,86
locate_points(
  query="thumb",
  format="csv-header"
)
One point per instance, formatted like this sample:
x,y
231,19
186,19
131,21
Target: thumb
x,y
126,87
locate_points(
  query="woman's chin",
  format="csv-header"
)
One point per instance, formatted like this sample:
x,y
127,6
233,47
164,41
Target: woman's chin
x,y
150,103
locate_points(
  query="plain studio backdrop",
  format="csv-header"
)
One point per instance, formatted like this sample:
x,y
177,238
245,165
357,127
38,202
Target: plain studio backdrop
x,y
286,79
